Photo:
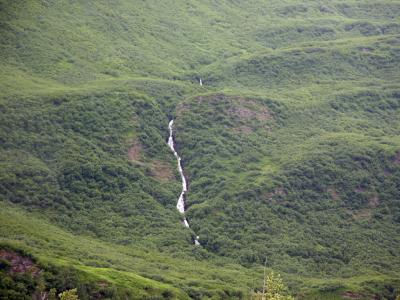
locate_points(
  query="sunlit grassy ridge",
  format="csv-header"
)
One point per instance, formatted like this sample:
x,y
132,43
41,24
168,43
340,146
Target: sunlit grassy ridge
x,y
291,145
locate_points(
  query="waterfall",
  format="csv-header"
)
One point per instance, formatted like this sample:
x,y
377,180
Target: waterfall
x,y
181,201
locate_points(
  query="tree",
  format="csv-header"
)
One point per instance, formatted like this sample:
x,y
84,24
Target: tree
x,y
69,295
52,294
273,289
276,289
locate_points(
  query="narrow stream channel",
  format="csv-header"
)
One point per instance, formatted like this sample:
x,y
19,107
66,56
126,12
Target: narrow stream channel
x,y
181,201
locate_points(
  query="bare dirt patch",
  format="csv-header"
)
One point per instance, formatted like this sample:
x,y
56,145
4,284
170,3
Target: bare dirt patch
x,y
334,194
280,191
355,295
182,109
247,109
352,295
158,169
161,171
243,129
244,113
20,264
362,214
277,193
373,201
396,159
135,151
240,107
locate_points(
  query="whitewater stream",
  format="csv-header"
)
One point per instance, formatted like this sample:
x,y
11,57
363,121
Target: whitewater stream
x,y
181,201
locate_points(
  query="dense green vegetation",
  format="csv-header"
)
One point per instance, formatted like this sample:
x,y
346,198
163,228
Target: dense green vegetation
x,y
291,147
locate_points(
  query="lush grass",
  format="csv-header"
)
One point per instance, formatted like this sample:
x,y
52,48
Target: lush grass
x,y
291,146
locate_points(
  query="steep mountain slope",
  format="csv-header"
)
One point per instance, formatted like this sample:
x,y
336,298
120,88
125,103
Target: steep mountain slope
x,y
291,147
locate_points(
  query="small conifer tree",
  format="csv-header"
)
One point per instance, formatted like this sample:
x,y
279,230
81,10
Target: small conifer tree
x,y
69,295
276,289
273,289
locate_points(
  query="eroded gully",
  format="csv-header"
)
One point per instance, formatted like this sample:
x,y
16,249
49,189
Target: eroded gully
x,y
181,201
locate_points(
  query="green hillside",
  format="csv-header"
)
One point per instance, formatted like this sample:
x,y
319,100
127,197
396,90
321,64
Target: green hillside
x,y
291,147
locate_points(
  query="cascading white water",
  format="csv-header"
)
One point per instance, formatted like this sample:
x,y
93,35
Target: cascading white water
x,y
181,201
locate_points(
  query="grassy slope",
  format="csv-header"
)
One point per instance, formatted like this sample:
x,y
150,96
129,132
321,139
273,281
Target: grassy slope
x,y
81,82
130,267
